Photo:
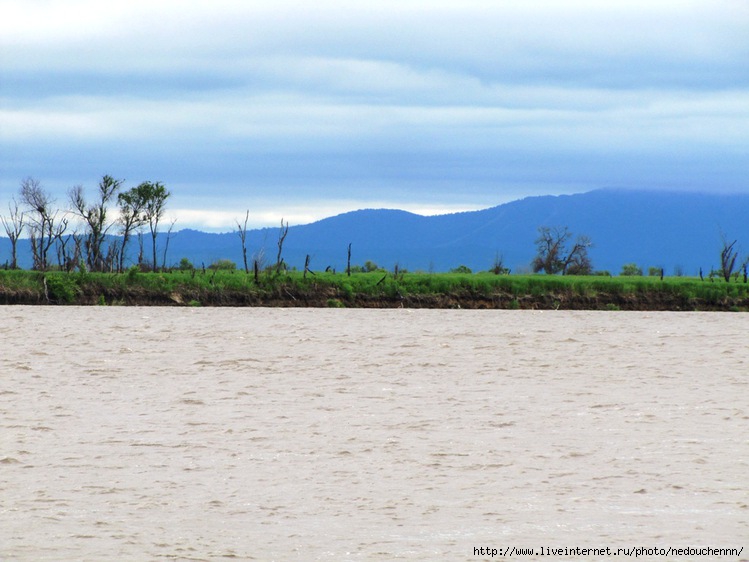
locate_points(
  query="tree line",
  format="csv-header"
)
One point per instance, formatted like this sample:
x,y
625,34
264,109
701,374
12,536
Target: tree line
x,y
75,236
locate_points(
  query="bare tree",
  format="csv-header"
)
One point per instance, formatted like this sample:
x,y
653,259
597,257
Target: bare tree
x,y
242,232
552,254
498,267
728,259
259,262
141,251
112,258
166,244
577,261
73,257
61,241
306,267
41,220
281,237
13,225
95,218
550,246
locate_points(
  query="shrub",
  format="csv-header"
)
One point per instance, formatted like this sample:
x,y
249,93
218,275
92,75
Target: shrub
x,y
498,267
61,288
461,269
631,269
224,265
132,273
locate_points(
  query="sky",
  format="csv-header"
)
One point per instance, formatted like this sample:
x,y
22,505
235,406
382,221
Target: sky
x,y
303,110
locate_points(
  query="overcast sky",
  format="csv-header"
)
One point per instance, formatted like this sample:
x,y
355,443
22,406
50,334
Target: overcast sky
x,y
303,110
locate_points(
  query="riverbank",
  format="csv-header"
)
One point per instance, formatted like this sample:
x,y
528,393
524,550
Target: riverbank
x,y
377,289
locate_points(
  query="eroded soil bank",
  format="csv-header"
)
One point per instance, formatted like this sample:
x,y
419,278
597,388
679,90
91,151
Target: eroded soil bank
x,y
327,297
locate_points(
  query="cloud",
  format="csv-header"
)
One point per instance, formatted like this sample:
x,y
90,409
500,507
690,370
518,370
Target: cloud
x,y
543,40
269,215
410,102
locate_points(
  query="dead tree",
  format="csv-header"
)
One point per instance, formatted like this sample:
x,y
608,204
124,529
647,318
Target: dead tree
x,y
40,221
111,260
281,237
553,257
306,267
166,243
73,259
348,261
728,259
61,241
13,225
577,261
242,232
141,249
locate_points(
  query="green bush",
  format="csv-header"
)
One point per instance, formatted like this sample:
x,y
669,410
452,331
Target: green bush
x,y
631,269
223,265
461,269
61,288
132,273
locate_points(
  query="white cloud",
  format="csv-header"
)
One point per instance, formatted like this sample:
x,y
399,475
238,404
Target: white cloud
x,y
387,95
489,39
270,214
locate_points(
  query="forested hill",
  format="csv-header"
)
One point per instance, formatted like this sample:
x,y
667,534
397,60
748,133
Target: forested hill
x,y
652,229
666,229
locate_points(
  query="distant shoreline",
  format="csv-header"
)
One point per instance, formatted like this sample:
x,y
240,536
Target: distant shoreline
x,y
378,289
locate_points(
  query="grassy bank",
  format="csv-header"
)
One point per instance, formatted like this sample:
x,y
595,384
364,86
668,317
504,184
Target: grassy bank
x,y
372,290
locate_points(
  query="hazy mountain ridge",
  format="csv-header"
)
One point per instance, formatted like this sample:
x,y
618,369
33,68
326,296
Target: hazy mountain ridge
x,y
661,229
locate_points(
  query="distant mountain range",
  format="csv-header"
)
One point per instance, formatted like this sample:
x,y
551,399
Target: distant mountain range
x,y
672,230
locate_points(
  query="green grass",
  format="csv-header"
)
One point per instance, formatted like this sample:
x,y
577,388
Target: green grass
x,y
364,289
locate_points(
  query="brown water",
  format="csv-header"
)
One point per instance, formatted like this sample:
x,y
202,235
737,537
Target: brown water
x,y
299,434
